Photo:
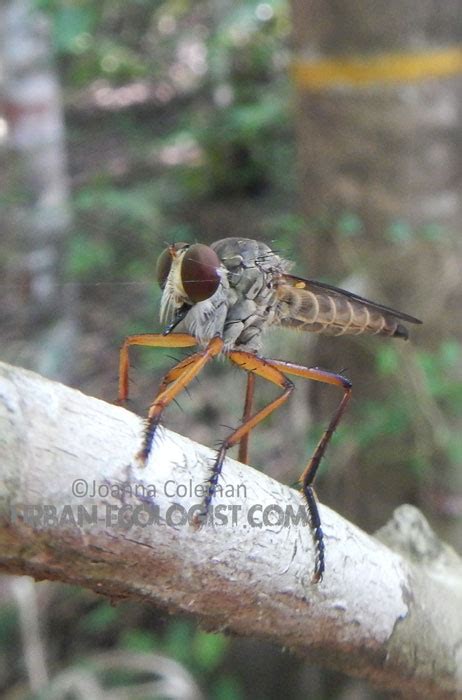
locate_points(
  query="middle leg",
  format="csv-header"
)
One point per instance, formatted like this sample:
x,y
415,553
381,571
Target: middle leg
x,y
243,455
259,367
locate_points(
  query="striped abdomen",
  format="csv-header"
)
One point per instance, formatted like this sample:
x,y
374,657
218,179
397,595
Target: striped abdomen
x,y
318,309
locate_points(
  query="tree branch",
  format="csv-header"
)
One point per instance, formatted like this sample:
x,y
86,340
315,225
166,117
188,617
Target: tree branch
x,y
76,507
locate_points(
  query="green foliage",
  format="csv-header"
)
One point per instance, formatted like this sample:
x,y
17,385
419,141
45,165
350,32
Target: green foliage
x,y
252,97
86,256
130,206
139,640
9,630
400,232
434,232
208,650
193,647
69,19
286,232
439,370
200,651
350,225
241,64
122,232
72,24
378,419
227,688
235,144
79,31
101,618
177,642
387,360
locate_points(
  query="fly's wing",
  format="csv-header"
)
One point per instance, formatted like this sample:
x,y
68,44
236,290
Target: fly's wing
x,y
320,308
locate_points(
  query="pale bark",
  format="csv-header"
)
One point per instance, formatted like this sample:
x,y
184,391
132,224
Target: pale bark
x,y
393,620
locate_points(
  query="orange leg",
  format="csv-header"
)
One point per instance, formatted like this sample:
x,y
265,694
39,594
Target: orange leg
x,y
173,383
275,371
309,473
318,375
153,340
257,366
243,455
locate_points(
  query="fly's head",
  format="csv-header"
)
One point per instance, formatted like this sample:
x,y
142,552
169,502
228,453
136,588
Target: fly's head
x,y
188,275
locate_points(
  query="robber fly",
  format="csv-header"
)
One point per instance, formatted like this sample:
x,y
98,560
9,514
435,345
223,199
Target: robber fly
x,y
223,298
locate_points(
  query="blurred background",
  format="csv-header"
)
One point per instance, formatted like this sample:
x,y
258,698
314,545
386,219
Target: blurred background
x,y
332,132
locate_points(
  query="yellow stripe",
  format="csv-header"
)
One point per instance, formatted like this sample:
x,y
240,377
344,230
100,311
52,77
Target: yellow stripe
x,y
353,71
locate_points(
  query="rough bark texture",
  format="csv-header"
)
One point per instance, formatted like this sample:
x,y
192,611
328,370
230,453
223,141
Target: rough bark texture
x,y
392,619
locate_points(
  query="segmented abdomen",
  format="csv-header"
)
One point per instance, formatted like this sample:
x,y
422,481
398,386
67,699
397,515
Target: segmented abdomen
x,y
332,314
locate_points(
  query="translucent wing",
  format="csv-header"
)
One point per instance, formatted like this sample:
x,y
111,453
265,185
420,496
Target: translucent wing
x,y
321,308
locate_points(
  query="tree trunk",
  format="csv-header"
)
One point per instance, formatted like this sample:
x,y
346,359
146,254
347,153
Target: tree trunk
x,y
376,138
39,307
379,137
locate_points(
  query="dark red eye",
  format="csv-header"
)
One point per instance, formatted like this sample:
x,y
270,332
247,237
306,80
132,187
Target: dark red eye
x,y
164,263
200,272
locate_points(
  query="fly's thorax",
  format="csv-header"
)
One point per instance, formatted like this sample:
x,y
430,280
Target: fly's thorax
x,y
244,304
245,258
253,273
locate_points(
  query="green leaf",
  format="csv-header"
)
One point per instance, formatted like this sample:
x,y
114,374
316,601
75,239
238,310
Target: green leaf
x,y
178,641
227,688
99,619
69,22
86,256
450,353
433,232
209,649
454,449
139,640
350,225
387,360
400,232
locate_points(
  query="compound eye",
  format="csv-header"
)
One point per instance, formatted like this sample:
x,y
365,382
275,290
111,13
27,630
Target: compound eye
x,y
200,272
164,264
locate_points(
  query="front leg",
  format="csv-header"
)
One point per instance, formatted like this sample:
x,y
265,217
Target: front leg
x,y
152,340
173,383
